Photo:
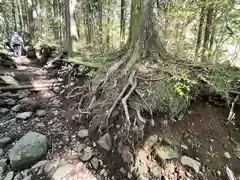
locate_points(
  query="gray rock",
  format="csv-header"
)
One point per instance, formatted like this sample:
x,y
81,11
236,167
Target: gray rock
x,y
187,161
95,163
29,149
105,141
227,155
141,177
87,154
4,141
153,139
62,171
9,176
27,104
28,177
40,164
24,115
56,102
2,102
4,110
23,94
127,155
83,133
18,177
3,166
123,171
7,95
11,102
1,153
41,113
79,147
166,153
40,125
16,108
26,172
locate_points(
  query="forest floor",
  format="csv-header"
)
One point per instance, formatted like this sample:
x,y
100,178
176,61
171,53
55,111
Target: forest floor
x,y
199,146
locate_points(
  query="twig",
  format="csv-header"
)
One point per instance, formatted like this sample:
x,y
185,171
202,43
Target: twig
x,y
124,102
231,115
143,79
74,95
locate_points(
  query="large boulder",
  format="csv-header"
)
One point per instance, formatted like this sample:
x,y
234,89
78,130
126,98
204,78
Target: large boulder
x,y
28,150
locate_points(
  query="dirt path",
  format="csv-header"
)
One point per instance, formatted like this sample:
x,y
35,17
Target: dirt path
x,y
202,136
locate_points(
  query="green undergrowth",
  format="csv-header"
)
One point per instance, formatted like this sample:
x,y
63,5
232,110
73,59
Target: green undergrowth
x,y
170,89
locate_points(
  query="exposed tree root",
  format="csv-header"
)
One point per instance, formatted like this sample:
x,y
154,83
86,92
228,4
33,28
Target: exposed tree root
x,y
124,102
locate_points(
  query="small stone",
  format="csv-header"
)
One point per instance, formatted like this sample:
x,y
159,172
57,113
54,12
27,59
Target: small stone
x,y
66,139
141,177
151,141
11,102
219,173
40,125
1,153
123,171
16,108
24,115
41,113
127,155
18,177
227,155
56,102
4,141
187,161
79,147
129,175
87,154
25,172
3,166
62,171
83,133
95,163
105,141
28,177
102,171
4,110
50,122
166,153
9,176
40,164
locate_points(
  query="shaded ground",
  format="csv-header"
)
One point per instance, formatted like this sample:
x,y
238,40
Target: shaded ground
x,y
202,135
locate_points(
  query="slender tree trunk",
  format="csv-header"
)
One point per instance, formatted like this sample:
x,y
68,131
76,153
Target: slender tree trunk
x,y
20,16
24,4
200,28
207,32
54,21
68,47
74,33
123,22
6,24
14,15
100,25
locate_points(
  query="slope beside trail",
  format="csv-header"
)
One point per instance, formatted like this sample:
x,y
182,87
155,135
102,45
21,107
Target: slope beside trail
x,y
33,99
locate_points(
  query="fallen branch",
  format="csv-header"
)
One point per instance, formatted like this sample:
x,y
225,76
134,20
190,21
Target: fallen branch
x,y
231,115
33,87
78,62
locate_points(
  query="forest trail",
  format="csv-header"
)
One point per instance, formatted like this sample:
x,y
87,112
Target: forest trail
x,y
197,147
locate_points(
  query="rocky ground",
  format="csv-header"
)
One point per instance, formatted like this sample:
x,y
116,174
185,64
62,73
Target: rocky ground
x,y
39,139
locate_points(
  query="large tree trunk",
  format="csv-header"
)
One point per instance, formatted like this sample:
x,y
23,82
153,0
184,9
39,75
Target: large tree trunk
x,y
68,45
144,37
74,32
200,27
207,33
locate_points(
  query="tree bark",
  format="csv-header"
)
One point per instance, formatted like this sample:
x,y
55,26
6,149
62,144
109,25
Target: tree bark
x,y
144,38
14,16
200,27
207,33
74,33
123,22
68,46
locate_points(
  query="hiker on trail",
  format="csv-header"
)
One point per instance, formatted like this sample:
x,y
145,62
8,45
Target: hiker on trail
x,y
17,44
